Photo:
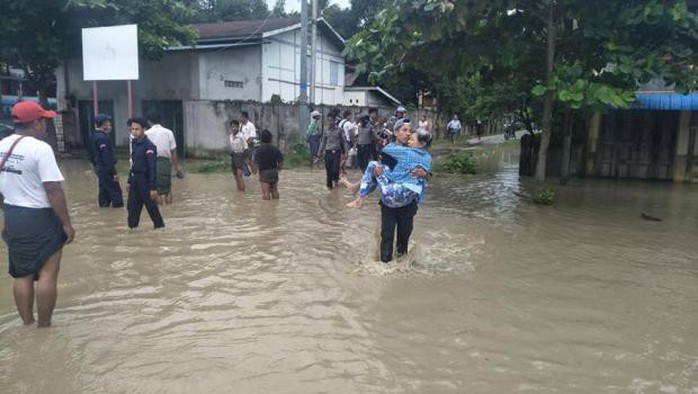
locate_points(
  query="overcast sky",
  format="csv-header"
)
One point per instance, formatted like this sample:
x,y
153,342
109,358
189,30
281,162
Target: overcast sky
x,y
295,5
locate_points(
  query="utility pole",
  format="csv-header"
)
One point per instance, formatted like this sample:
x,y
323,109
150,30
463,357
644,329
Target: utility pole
x,y
303,97
313,54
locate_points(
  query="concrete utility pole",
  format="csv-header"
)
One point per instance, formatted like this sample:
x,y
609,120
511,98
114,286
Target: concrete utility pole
x,y
313,54
303,97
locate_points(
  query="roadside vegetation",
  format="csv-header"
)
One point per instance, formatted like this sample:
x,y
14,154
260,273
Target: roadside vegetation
x,y
298,156
463,162
545,196
209,165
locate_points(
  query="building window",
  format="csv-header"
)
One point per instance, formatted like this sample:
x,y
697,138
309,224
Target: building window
x,y
334,73
234,84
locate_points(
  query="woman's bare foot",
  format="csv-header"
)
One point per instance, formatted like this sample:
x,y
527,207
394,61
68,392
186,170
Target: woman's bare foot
x,y
355,204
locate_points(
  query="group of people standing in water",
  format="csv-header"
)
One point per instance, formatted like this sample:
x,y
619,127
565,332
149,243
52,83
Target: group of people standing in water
x,y
394,158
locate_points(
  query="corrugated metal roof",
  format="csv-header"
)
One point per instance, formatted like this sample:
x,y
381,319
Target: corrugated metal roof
x,y
667,101
247,31
243,28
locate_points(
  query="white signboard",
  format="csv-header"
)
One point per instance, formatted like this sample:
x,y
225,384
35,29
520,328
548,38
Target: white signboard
x,y
110,53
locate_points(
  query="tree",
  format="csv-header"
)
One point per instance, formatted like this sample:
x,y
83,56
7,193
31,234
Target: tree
x,y
30,38
38,36
348,21
230,10
279,10
608,48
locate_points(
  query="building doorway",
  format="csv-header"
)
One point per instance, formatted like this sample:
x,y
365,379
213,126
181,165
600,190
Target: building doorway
x,y
87,119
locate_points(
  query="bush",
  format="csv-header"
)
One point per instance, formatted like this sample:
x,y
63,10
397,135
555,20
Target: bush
x,y
299,155
207,166
459,163
544,197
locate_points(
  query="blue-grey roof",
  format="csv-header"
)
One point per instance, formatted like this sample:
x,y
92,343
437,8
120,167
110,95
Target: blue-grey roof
x,y
667,101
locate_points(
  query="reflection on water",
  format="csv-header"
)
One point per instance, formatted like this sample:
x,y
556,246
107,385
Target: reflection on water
x,y
498,295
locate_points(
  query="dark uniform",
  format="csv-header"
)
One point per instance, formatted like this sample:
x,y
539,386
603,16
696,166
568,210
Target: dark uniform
x,y
141,179
103,160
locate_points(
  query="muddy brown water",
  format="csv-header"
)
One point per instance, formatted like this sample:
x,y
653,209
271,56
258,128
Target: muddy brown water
x,y
245,296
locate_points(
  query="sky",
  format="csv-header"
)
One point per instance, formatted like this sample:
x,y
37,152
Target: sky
x,y
295,5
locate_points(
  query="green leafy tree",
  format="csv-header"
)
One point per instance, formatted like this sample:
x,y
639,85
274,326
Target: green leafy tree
x,y
32,37
574,54
230,10
279,10
348,21
38,36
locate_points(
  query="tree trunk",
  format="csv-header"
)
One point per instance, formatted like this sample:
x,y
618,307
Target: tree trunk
x,y
549,98
566,147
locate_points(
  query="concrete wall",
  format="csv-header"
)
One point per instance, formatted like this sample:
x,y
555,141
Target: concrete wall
x,y
281,70
206,123
241,67
174,77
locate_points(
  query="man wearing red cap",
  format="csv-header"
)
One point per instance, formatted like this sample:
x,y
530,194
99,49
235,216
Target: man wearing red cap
x,y
37,223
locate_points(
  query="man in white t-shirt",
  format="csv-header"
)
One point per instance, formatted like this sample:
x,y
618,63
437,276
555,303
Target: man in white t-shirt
x,y
237,145
247,128
164,139
37,223
347,127
454,128
250,133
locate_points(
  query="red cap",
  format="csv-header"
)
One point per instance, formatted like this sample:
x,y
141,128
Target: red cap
x,y
29,111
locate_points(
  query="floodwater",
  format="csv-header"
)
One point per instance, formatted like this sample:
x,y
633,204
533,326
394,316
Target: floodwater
x,y
239,295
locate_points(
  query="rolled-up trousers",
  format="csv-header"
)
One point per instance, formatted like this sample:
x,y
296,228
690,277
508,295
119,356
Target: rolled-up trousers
x,y
332,160
139,195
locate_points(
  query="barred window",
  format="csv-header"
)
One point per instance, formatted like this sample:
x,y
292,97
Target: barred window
x,y
234,84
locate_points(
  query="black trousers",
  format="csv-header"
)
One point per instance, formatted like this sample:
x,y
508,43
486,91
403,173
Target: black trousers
x,y
139,195
332,160
109,190
403,219
364,154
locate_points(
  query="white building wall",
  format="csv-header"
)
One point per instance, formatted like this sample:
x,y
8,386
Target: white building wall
x,y
354,98
232,74
281,69
327,91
